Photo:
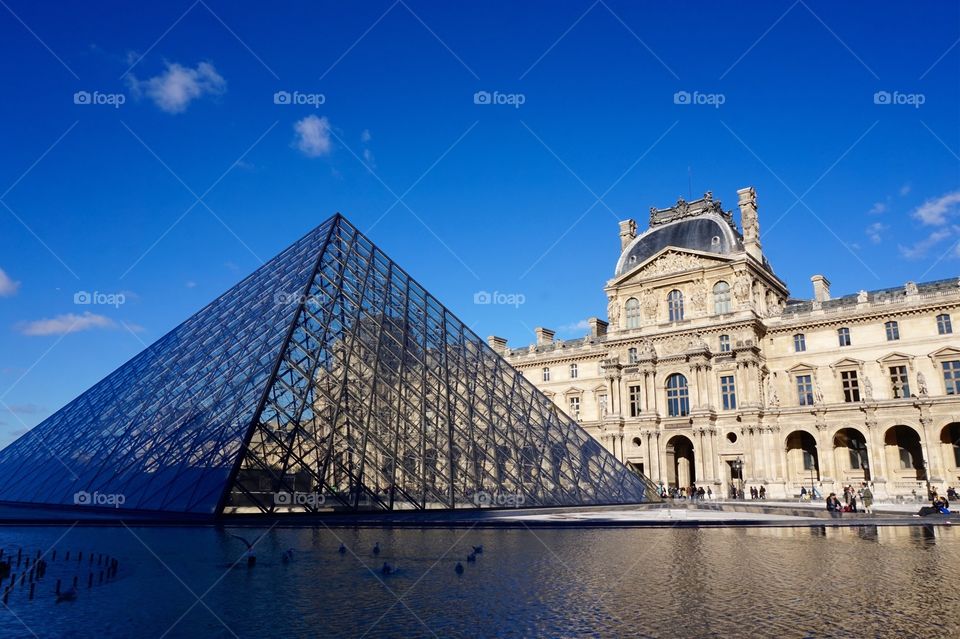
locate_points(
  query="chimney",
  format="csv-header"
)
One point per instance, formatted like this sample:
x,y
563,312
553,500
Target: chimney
x,y
747,201
498,344
821,288
628,231
544,335
597,326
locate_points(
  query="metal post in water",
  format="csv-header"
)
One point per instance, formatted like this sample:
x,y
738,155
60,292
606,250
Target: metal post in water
x,y
58,587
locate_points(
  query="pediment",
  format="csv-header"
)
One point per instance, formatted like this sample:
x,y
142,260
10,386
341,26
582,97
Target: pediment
x,y
847,362
802,367
945,352
895,356
672,260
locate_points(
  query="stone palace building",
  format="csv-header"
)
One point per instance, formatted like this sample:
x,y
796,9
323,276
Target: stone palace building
x,y
707,372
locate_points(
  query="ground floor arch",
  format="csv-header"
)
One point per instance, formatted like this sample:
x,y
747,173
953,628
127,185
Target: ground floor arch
x,y
850,456
904,452
950,446
803,459
681,469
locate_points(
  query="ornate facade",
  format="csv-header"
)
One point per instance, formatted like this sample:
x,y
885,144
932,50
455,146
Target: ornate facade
x,y
707,372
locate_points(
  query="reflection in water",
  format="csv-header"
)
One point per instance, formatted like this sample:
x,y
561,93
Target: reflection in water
x,y
872,580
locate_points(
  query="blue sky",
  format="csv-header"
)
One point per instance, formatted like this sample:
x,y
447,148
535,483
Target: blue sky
x,y
145,156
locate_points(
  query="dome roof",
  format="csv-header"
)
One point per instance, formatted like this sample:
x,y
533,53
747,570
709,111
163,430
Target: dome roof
x,y
707,232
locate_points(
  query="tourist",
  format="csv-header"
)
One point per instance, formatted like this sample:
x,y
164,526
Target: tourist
x,y
763,492
866,497
709,493
834,506
952,494
803,493
853,501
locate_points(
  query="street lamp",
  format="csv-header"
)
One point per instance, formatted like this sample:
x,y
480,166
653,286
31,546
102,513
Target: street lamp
x,y
737,465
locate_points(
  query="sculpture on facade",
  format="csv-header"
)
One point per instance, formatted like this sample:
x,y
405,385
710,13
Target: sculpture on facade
x,y
698,296
647,349
741,288
772,398
862,297
911,288
922,384
697,343
867,389
650,303
613,312
817,390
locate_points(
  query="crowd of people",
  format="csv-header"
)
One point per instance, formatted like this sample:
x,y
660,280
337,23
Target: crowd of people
x,y
854,500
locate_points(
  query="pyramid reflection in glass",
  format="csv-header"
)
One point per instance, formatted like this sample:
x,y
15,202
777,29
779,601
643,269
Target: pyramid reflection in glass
x,y
326,381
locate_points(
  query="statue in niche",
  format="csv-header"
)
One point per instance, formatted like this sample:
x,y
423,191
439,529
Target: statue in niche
x,y
867,389
741,288
817,390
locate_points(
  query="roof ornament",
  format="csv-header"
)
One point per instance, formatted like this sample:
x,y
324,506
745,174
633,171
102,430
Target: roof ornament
x,y
684,209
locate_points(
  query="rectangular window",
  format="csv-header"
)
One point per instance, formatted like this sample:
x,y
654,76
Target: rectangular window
x,y
728,392
944,326
575,407
899,382
635,407
602,401
893,331
546,374
851,386
724,343
799,343
843,335
951,377
573,371
805,390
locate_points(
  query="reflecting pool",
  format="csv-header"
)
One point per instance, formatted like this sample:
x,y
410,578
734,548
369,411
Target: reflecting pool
x,y
732,582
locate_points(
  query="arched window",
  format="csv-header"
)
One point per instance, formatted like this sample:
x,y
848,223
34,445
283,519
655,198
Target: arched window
x,y
675,305
721,298
632,308
678,396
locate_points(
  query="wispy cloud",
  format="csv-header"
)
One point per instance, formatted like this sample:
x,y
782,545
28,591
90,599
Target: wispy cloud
x,y
878,208
875,230
313,136
919,249
65,324
582,325
934,212
7,286
905,189
174,89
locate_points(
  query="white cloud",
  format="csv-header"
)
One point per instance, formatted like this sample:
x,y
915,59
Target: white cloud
x,y
877,208
934,212
365,136
65,324
7,286
582,325
313,136
875,230
919,249
190,284
174,89
905,189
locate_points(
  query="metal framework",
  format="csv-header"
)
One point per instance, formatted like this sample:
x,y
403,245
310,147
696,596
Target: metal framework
x,y
328,380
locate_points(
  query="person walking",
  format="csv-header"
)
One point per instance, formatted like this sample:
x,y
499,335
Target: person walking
x,y
763,492
867,499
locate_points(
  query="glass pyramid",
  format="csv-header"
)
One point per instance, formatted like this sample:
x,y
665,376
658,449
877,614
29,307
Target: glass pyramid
x,y
328,380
